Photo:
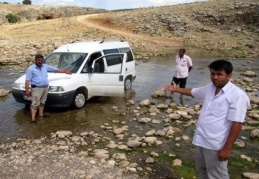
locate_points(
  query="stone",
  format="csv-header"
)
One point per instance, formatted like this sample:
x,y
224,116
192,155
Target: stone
x,y
63,134
250,73
251,175
177,162
4,92
101,153
255,133
149,160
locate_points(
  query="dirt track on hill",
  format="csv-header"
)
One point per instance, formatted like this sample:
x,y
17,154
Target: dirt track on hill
x,y
91,21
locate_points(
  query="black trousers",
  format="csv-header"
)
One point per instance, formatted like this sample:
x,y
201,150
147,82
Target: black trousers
x,y
180,81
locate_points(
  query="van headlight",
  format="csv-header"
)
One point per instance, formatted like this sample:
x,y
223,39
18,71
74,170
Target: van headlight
x,y
56,89
19,85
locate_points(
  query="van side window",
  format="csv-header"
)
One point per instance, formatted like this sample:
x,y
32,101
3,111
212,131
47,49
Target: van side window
x,y
88,65
113,60
129,53
114,63
109,51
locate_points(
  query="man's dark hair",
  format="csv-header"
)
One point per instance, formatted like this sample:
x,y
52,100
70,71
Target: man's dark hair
x,y
221,65
38,56
182,49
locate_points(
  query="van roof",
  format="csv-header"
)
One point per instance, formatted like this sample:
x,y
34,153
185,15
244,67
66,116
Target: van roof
x,y
91,46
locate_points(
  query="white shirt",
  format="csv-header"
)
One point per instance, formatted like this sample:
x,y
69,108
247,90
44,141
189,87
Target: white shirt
x,y
218,113
182,66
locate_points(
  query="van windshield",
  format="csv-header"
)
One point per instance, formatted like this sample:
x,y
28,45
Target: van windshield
x,y
71,61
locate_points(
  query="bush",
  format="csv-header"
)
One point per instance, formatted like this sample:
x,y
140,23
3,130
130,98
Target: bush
x,y
12,18
26,2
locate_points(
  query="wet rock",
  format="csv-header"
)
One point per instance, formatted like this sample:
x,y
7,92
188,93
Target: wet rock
x,y
145,102
117,131
130,102
63,134
255,133
245,157
185,137
4,92
112,145
248,80
144,120
123,164
248,127
159,93
134,143
149,160
150,140
250,73
162,106
151,132
119,156
174,116
251,175
254,99
239,144
153,109
177,162
101,153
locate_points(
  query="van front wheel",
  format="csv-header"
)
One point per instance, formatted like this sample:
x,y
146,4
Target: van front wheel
x,y
127,83
79,99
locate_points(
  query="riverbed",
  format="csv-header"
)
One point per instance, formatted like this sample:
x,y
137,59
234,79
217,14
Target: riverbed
x,y
151,76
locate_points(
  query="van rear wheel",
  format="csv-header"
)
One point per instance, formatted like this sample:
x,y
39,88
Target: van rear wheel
x,y
79,99
127,83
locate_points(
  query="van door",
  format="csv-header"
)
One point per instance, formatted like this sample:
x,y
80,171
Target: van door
x,y
107,78
130,62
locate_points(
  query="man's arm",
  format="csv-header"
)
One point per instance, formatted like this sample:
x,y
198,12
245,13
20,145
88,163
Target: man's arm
x,y
173,88
60,70
235,129
190,68
27,86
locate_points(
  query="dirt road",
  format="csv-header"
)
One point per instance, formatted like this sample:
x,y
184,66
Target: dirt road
x,y
92,21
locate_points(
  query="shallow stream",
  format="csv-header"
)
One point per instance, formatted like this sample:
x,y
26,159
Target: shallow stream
x,y
151,76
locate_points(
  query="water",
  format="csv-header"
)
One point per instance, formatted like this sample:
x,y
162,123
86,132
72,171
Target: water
x,y
151,76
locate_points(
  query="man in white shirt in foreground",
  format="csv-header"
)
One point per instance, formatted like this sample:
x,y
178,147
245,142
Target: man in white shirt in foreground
x,y
220,121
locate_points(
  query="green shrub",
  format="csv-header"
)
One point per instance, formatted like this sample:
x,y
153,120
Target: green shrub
x,y
12,18
26,2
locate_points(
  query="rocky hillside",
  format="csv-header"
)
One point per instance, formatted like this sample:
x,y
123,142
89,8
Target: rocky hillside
x,y
30,12
218,25
227,28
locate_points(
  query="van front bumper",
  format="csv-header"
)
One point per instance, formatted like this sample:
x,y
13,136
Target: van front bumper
x,y
58,100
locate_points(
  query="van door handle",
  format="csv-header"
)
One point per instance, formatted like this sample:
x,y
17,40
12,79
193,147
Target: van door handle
x,y
126,69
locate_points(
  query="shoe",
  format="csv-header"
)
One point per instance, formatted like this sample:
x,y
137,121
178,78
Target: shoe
x,y
33,122
44,116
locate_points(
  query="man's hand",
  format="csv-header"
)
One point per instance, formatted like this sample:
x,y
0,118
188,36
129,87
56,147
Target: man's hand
x,y
67,71
27,93
171,88
224,154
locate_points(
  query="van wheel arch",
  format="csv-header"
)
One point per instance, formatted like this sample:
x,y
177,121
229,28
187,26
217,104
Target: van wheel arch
x,y
80,98
128,82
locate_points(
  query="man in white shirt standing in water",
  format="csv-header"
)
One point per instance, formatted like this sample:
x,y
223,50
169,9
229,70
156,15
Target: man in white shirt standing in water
x,y
220,121
182,69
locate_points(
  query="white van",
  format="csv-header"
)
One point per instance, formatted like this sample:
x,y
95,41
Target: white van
x,y
99,68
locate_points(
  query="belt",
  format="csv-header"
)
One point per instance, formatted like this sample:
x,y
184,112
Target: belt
x,y
34,86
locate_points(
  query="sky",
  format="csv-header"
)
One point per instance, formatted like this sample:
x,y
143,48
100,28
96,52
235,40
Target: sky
x,y
106,4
